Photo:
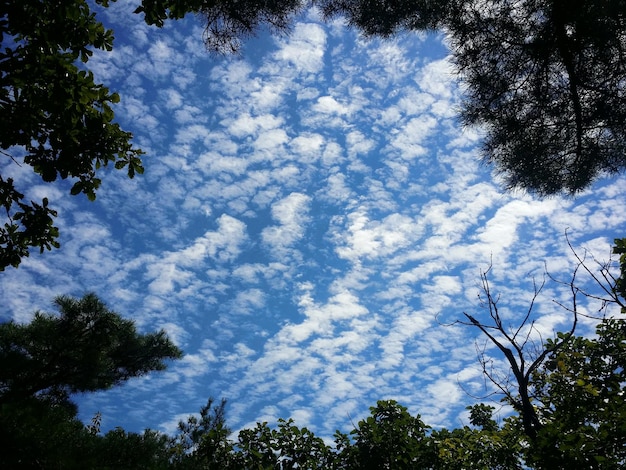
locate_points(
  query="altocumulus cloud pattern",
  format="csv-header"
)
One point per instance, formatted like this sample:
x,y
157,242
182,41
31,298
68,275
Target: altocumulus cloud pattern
x,y
311,215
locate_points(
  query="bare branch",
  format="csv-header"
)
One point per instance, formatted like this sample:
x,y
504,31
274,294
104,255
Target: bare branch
x,y
536,292
11,157
514,350
519,346
608,289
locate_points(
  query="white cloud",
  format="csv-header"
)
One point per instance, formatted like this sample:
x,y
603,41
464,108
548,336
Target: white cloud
x,y
271,141
411,139
372,239
172,269
173,99
357,143
329,105
436,78
248,302
304,48
310,212
291,213
308,145
501,231
245,124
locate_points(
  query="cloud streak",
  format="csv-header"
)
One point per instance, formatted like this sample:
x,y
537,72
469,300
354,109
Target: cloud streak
x,y
310,217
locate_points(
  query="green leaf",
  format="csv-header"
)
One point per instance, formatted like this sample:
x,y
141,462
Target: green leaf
x,y
77,188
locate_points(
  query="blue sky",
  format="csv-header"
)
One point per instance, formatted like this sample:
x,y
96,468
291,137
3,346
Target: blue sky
x,y
311,215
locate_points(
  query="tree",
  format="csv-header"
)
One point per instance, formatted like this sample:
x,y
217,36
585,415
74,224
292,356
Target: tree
x,y
512,344
387,18
544,78
580,394
202,442
86,347
478,449
119,449
283,448
227,22
40,434
53,116
619,284
388,439
569,394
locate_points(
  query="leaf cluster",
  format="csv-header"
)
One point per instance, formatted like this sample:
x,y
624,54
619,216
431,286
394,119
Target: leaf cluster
x,y
545,79
620,283
85,348
387,18
54,117
580,395
227,22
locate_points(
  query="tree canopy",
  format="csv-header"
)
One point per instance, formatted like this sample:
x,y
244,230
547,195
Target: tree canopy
x,y
390,437
54,117
545,79
84,348
580,395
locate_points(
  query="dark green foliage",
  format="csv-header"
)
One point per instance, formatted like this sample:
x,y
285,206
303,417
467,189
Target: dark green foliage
x,y
53,116
41,434
481,417
202,442
386,18
580,395
121,450
86,347
227,22
498,449
284,448
620,282
545,78
390,438
28,225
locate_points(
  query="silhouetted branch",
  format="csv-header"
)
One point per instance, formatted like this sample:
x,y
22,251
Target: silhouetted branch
x,y
514,343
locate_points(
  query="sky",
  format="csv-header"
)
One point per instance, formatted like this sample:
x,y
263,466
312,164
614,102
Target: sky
x,y
312,221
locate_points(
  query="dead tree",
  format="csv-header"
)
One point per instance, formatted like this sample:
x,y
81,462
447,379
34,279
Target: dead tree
x,y
513,345
514,342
